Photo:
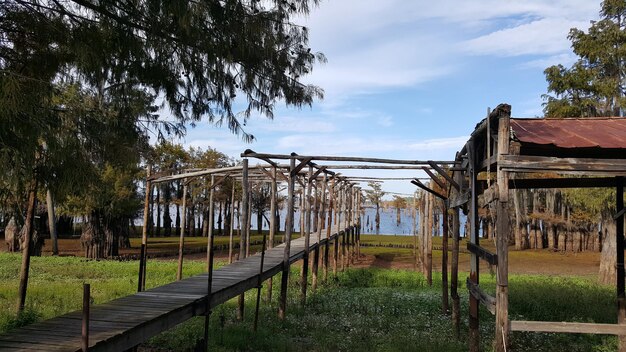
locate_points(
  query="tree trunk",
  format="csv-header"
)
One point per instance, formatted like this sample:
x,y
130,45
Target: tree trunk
x,y
608,258
28,232
398,218
158,209
52,223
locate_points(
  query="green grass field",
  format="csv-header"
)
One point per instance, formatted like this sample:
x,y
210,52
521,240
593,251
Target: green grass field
x,y
369,309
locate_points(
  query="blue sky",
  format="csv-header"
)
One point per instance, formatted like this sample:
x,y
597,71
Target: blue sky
x,y
410,79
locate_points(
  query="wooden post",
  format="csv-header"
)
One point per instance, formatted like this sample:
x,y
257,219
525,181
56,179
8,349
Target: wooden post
x,y
210,232
429,240
358,233
141,282
320,224
454,273
245,228
288,228
619,227
272,230
210,255
331,194
340,206
259,284
84,342
414,213
306,212
232,223
444,260
474,333
502,241
183,227
52,223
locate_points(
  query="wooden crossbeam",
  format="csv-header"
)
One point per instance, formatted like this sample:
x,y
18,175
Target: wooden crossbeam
x,y
587,166
567,327
434,177
488,301
619,213
482,253
491,194
445,175
419,184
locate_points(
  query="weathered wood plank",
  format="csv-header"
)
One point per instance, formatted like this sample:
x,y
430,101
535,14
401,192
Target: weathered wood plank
x,y
567,327
483,253
488,301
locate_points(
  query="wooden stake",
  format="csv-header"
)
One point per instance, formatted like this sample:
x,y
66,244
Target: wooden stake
x,y
232,223
306,212
621,295
272,230
474,333
288,228
454,274
183,227
210,256
444,260
502,241
245,228
259,285
85,322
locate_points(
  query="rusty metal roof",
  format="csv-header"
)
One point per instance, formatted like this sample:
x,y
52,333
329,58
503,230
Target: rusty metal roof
x,y
604,132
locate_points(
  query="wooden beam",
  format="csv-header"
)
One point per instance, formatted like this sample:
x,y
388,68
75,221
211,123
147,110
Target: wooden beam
x,y
484,254
562,182
586,166
486,300
567,327
300,166
434,177
250,153
419,184
445,175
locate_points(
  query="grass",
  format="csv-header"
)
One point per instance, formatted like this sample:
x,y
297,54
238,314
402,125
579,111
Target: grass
x,y
370,309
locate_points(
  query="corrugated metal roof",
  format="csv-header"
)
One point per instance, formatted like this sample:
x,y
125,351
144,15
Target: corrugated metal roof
x,y
572,133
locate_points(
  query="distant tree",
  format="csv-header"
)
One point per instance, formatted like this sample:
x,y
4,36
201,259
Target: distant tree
x,y
595,84
375,195
260,198
399,203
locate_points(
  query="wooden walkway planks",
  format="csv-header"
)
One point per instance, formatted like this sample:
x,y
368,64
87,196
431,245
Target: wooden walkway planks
x,y
128,321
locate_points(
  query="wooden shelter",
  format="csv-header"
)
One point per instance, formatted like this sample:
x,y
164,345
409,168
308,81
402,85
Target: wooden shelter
x,y
511,153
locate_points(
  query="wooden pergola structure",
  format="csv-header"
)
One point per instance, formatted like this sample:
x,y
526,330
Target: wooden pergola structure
x,y
512,154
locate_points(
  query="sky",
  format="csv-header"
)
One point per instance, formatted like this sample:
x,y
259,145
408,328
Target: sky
x,y
411,79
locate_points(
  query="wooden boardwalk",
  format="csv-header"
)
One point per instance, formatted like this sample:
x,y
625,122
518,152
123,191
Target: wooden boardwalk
x,y
128,321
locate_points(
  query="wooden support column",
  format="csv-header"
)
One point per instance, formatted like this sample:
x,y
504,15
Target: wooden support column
x,y
183,227
210,255
340,228
474,333
414,214
429,240
454,273
619,227
502,240
333,219
232,223
211,220
306,212
321,191
328,226
288,228
141,283
245,228
358,232
272,231
444,260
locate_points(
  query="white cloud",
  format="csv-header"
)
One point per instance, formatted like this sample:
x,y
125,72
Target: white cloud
x,y
439,143
541,37
292,124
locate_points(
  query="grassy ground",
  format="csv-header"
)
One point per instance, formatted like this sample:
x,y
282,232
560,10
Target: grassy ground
x,y
369,309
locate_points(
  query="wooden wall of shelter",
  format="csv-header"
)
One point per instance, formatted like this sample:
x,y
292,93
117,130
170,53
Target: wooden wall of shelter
x,y
521,161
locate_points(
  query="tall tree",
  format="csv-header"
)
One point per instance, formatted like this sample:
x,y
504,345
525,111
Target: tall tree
x,y
595,84
375,195
399,203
